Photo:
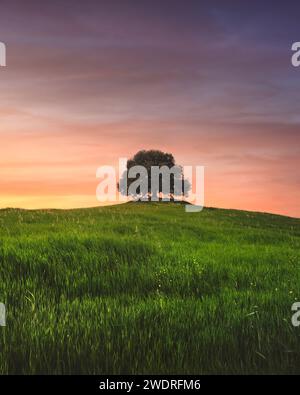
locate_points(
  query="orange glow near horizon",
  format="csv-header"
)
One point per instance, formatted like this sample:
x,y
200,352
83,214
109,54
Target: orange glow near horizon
x,y
58,170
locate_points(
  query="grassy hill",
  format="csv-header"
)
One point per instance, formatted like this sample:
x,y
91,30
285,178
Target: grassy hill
x,y
148,288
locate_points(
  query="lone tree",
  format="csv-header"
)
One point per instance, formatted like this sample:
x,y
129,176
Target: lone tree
x,y
154,175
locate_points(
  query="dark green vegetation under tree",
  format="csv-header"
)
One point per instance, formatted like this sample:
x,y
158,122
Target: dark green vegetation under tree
x,y
148,288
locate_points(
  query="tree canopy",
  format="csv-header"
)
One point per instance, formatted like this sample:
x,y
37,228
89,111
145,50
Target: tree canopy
x,y
154,175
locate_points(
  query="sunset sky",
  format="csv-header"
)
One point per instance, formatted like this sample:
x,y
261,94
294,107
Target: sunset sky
x,y
89,81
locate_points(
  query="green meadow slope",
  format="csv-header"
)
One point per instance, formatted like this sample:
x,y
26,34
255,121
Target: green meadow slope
x,y
148,288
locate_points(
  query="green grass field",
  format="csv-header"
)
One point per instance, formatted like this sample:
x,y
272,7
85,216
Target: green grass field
x,y
148,288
